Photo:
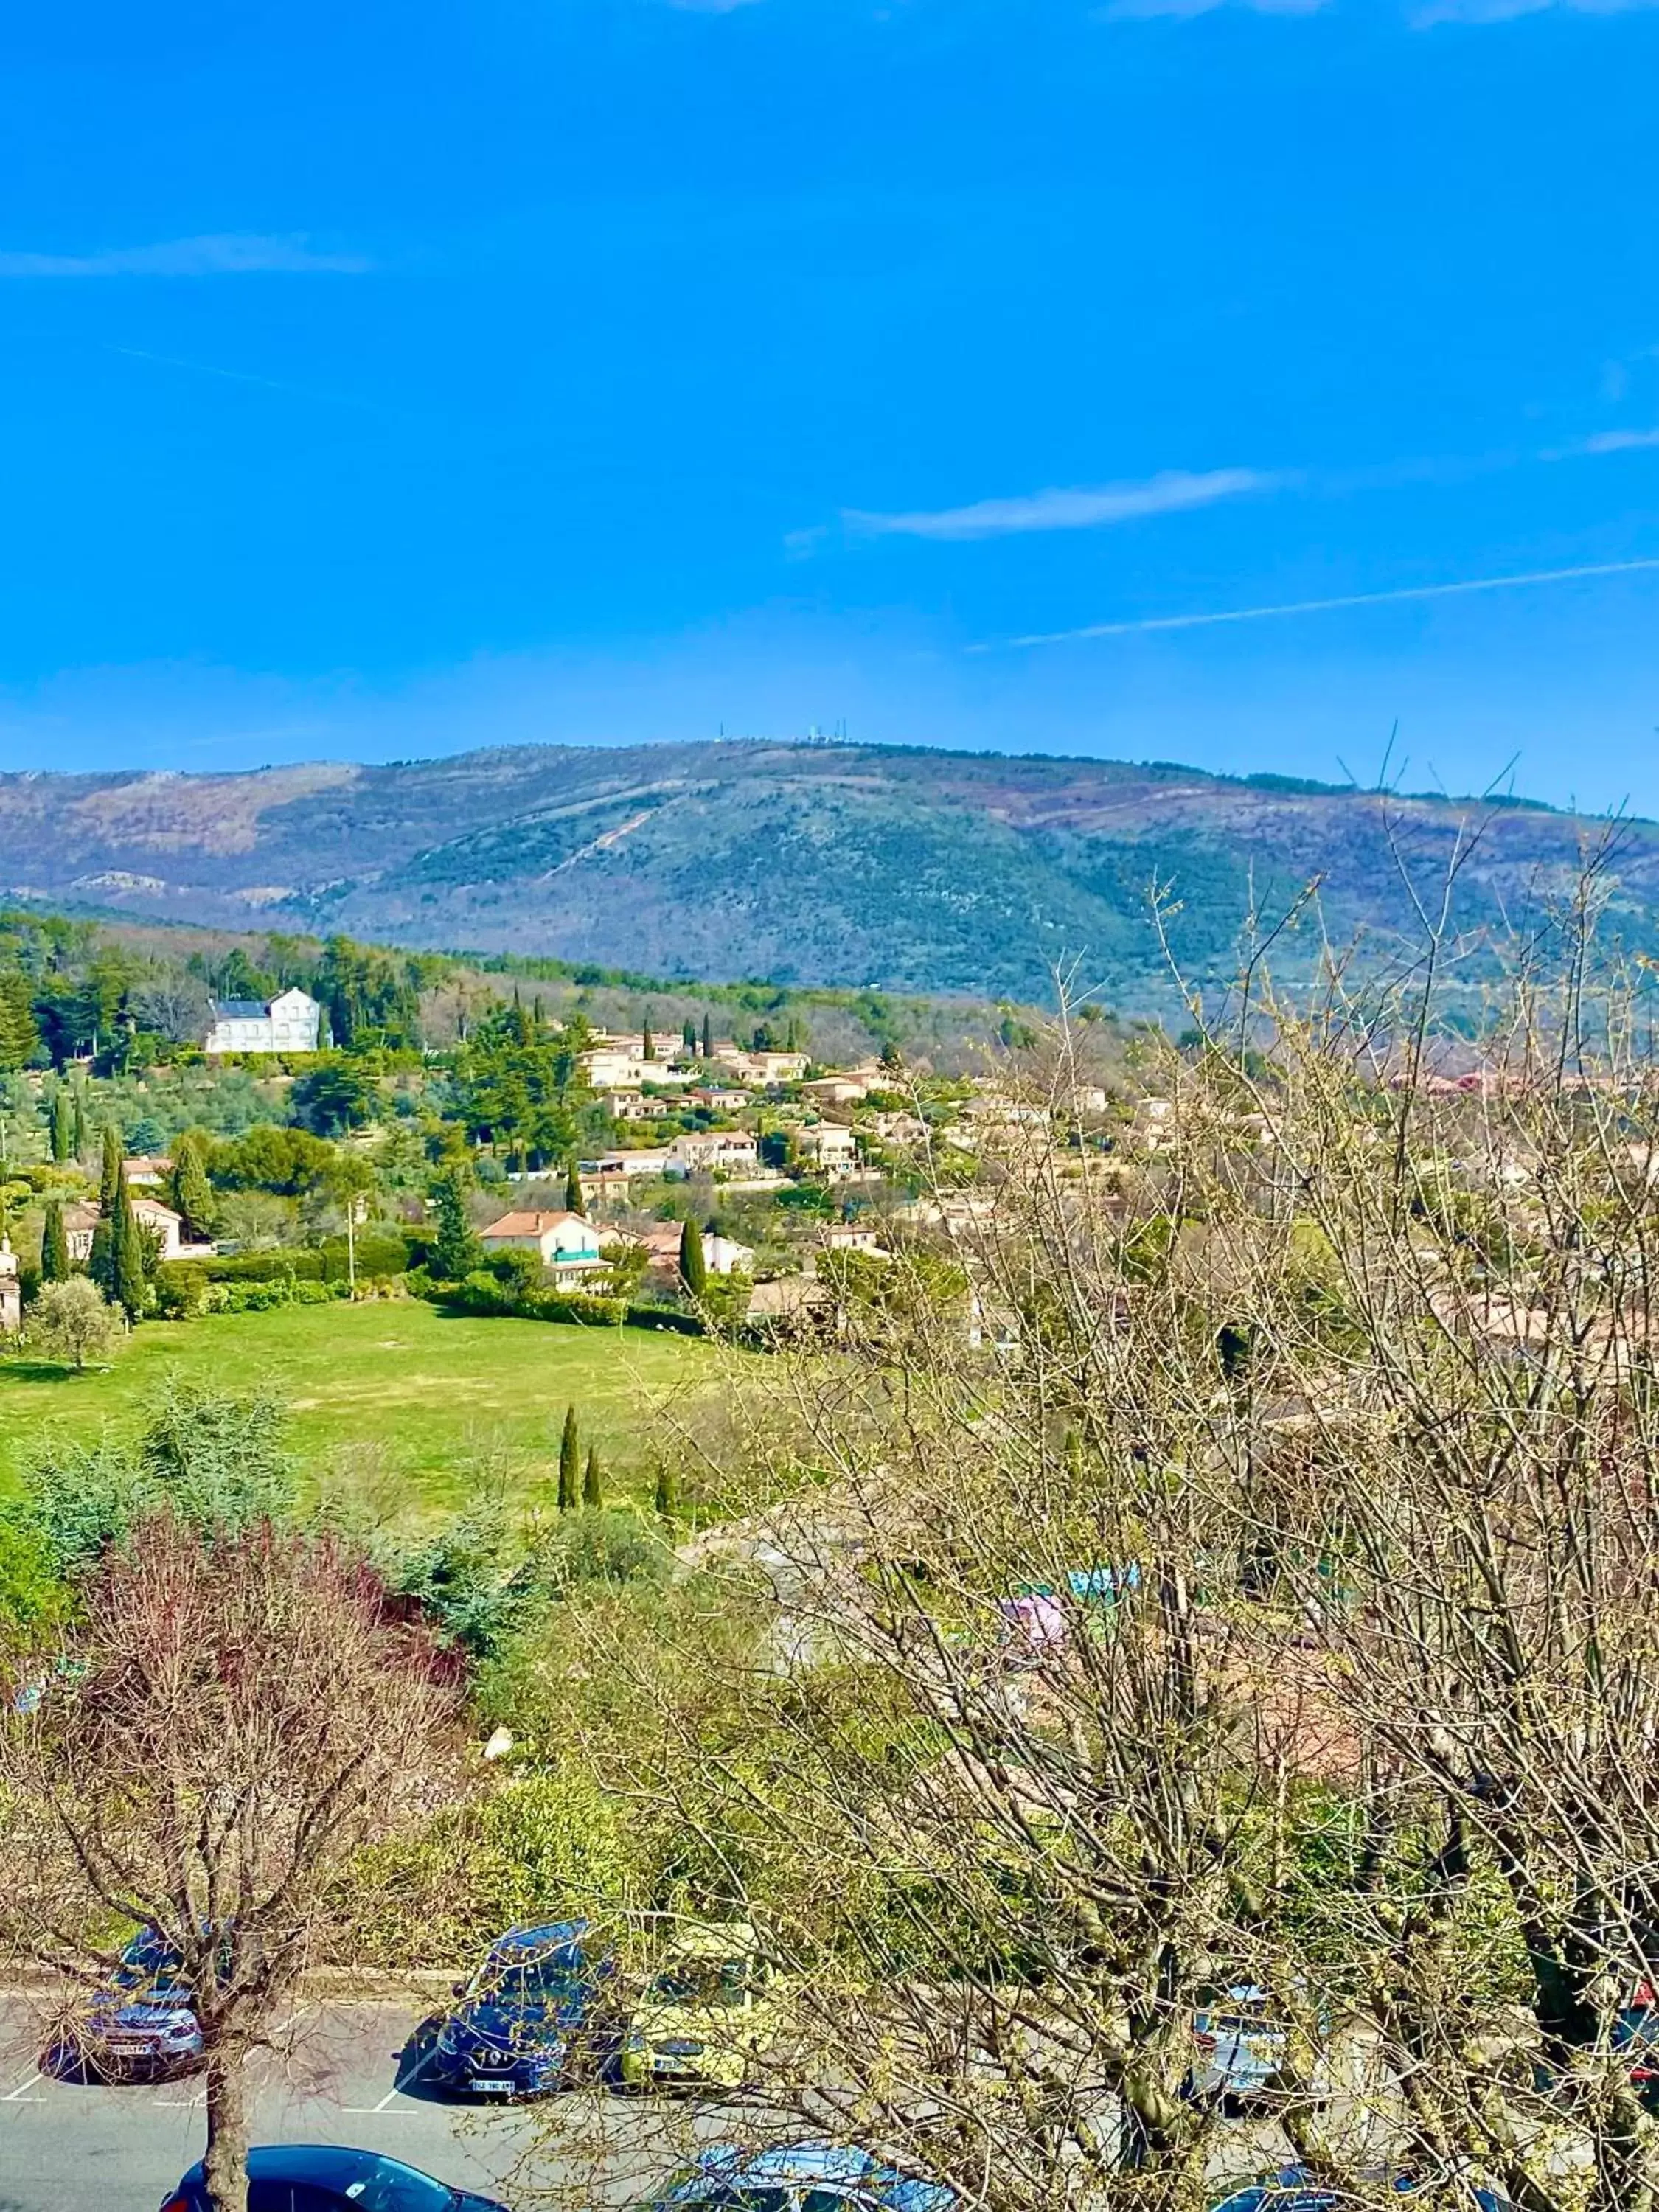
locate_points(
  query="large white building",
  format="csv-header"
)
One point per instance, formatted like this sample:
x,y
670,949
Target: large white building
x,y
291,1021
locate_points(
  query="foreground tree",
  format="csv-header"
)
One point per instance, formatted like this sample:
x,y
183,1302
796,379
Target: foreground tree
x,y
1249,1587
72,1321
247,1714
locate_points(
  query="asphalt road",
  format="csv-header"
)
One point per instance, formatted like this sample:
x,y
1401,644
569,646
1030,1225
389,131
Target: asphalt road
x,y
337,2077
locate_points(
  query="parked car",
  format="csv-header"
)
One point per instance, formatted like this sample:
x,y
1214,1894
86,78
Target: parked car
x,y
1238,2049
1636,2036
804,2178
706,2014
1293,2189
143,2027
330,2177
532,2019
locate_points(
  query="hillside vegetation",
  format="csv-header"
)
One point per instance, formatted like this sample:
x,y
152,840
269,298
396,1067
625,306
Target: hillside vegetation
x,y
904,869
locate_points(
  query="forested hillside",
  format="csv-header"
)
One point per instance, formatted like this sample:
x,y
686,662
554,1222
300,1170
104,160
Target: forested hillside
x,y
915,870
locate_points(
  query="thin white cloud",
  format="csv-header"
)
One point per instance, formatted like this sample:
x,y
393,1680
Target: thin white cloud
x,y
1081,507
1620,441
1508,11
221,254
1143,624
1144,10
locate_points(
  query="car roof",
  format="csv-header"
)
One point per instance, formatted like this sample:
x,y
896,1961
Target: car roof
x,y
790,2165
555,1935
704,1939
323,2162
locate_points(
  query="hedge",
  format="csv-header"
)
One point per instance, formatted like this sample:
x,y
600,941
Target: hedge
x,y
485,1295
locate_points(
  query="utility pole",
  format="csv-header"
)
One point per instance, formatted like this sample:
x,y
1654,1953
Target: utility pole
x,y
354,1214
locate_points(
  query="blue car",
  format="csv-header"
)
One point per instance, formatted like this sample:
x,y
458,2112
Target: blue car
x,y
143,2027
532,2018
804,2178
330,2177
1293,2189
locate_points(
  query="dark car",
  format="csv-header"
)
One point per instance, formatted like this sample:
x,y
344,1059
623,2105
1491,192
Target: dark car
x,y
143,2027
534,2017
330,2177
1293,2189
801,2178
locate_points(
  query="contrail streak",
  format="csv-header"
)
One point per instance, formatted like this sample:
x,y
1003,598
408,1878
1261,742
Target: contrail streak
x,y
1325,606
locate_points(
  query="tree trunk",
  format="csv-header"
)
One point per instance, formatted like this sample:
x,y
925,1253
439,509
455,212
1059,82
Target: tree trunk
x,y
225,2167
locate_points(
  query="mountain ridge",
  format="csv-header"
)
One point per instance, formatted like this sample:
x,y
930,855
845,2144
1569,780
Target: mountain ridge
x,y
905,867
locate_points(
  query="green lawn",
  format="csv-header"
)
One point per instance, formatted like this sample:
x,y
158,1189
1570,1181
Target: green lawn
x,y
423,1394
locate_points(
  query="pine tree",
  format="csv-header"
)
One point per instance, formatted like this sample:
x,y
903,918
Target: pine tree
x,y
54,1245
456,1250
63,1128
573,1188
129,1288
593,1481
708,1038
570,1461
192,1194
20,1037
101,1265
667,1504
694,1268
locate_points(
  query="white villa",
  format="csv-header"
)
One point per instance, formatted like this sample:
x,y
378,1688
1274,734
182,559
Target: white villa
x,y
291,1021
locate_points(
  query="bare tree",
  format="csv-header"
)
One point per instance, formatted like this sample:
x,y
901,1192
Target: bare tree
x,y
247,1712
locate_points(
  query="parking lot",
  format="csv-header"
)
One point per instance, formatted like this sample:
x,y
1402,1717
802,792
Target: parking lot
x,y
338,2076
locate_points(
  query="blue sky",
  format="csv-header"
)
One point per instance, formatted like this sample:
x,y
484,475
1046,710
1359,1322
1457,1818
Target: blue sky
x,y
385,380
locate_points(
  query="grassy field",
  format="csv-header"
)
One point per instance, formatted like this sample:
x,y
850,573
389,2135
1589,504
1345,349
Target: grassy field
x,y
395,1392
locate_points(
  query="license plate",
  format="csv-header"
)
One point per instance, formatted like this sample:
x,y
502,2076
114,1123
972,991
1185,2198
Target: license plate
x,y
128,2051
492,2081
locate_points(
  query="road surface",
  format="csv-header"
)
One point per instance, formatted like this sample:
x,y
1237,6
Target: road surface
x,y
339,2077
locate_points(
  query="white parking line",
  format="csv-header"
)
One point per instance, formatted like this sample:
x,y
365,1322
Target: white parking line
x,y
20,2096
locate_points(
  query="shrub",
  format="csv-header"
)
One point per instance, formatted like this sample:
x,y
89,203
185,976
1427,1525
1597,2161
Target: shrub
x,y
183,1289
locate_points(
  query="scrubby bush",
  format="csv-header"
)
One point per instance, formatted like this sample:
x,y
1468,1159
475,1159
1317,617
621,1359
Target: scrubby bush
x,y
73,1322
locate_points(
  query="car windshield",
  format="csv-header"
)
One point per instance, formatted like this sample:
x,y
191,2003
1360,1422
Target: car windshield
x,y
516,1980
386,2186
702,1982
147,1963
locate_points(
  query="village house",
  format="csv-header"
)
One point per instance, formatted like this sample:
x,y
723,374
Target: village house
x,y
762,1067
829,1145
850,1237
720,1098
897,1128
80,1225
721,1255
712,1152
616,1169
635,1106
147,1172
11,1292
291,1021
568,1244
850,1089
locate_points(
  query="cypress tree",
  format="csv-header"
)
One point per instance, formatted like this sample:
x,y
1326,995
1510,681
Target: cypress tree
x,y
570,1463
689,1038
127,1256
646,1039
79,1137
573,1188
63,1128
708,1038
456,1250
667,1504
101,1265
192,1194
592,1482
694,1268
54,1245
